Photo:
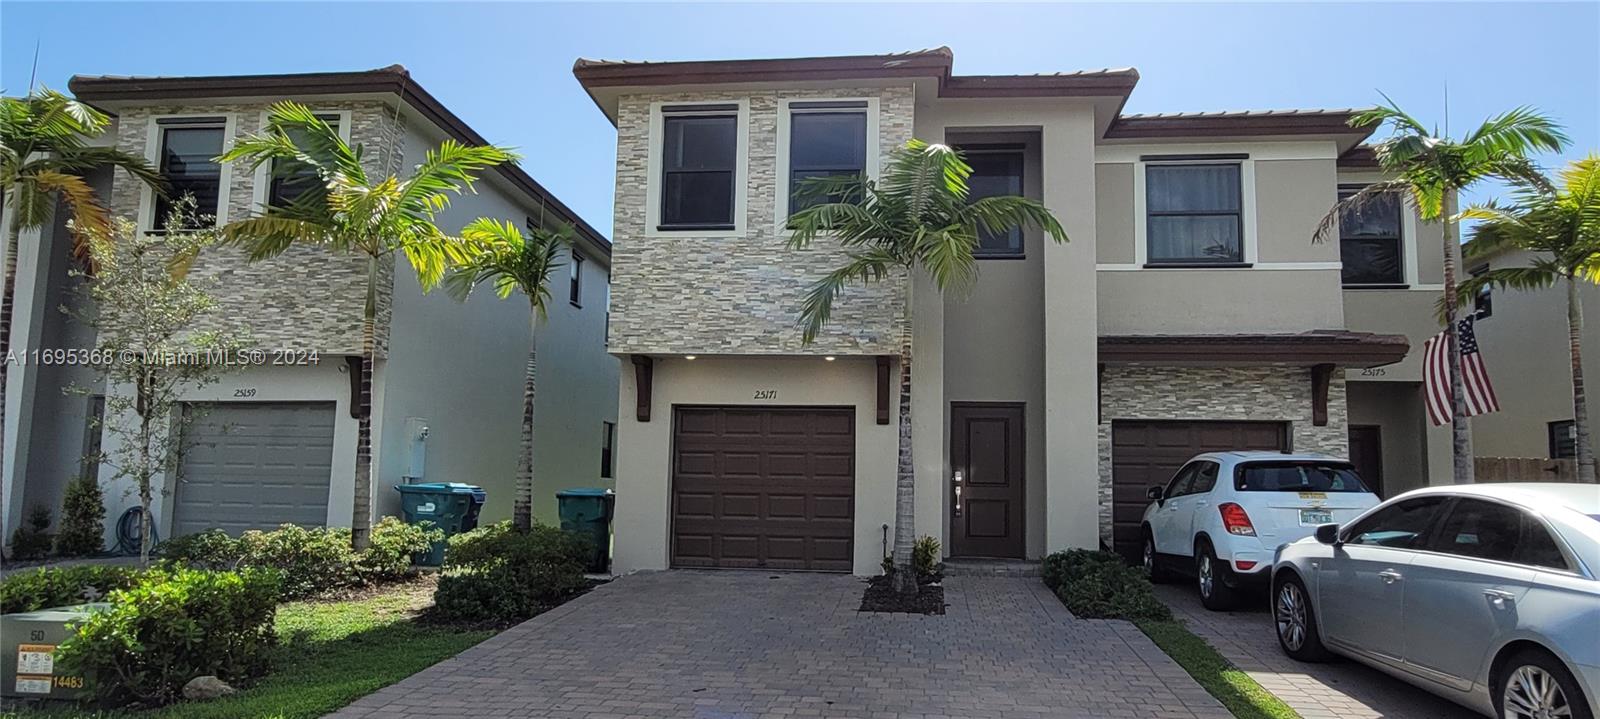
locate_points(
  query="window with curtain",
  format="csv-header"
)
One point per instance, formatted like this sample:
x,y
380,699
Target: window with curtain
x,y
187,161
1369,240
826,139
996,173
1194,214
291,178
699,160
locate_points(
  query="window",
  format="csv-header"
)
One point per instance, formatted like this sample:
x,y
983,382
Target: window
x,y
1538,548
290,179
1181,482
826,139
1369,240
1398,526
1204,478
608,440
699,155
1483,302
187,160
1194,214
1563,435
1481,530
996,172
575,280
1297,477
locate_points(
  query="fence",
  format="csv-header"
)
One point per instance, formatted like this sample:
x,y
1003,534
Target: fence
x,y
1524,469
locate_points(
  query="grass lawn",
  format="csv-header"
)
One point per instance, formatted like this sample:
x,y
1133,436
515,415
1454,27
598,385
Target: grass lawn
x,y
330,653
1235,689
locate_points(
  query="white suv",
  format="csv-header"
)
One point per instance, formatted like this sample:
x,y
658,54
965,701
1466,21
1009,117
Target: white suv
x,y
1224,533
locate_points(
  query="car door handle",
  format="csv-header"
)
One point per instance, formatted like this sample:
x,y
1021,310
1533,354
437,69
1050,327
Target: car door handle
x,y
1499,598
1389,576
1201,503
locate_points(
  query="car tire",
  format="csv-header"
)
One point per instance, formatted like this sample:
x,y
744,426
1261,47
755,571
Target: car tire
x,y
1522,687
1296,620
1215,593
1153,568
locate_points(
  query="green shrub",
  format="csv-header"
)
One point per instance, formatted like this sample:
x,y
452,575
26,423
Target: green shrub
x,y
925,557
394,543
312,561
172,627
498,574
1098,585
31,590
83,519
32,539
212,549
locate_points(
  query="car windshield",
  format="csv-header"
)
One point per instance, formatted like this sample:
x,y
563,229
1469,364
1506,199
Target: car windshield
x,y
1297,477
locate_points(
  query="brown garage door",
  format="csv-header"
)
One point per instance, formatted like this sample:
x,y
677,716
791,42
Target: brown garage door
x,y
1145,454
763,488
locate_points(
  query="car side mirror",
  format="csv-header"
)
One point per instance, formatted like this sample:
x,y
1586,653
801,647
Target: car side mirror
x,y
1328,534
1156,493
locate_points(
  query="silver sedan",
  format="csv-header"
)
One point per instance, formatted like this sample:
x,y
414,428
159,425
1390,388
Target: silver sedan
x,y
1487,595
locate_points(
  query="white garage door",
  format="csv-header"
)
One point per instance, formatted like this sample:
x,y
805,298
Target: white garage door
x,y
255,466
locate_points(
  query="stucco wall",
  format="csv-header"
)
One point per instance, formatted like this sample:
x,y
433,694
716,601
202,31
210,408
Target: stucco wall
x,y
1218,301
696,293
1396,408
1274,393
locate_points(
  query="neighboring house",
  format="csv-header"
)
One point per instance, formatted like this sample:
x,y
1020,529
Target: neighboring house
x,y
1190,311
277,442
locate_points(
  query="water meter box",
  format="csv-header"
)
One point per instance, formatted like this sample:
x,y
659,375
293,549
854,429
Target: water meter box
x,y
28,642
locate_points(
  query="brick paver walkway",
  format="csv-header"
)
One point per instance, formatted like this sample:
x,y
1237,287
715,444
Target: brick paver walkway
x,y
1340,689
725,645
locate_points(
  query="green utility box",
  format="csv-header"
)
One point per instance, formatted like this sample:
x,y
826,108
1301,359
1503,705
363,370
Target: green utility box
x,y
587,511
451,506
28,642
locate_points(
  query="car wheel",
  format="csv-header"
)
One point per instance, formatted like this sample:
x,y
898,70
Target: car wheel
x,y
1153,570
1215,593
1533,684
1296,621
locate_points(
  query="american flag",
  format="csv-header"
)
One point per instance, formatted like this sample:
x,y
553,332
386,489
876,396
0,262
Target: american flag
x,y
1474,376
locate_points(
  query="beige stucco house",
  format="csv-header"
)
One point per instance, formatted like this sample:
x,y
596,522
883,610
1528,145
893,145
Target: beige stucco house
x,y
1190,310
277,442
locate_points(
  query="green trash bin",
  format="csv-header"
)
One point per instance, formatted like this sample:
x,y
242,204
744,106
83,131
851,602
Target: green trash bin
x,y
451,506
587,511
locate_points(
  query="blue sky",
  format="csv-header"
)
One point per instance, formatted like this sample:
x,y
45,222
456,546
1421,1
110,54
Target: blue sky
x,y
506,67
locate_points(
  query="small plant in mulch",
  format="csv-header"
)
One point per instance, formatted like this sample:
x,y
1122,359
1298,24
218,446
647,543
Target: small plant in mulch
x,y
929,598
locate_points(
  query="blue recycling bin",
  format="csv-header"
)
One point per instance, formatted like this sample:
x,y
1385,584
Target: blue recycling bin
x,y
451,506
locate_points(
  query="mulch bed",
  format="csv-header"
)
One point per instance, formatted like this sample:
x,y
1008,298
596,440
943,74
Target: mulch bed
x,y
881,597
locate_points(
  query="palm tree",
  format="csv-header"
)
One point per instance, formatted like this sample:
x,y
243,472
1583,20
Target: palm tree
x,y
501,255
43,155
1561,229
1429,169
917,216
368,215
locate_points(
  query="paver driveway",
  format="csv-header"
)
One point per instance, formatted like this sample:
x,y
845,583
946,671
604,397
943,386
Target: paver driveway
x,y
721,645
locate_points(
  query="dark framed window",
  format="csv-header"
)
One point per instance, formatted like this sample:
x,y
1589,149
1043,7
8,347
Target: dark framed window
x,y
1563,435
826,139
1483,302
700,153
1370,241
1181,482
575,280
290,179
1481,530
996,172
188,152
1204,478
1194,214
608,445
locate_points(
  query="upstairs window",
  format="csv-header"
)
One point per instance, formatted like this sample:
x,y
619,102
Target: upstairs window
x,y
1194,214
699,155
188,150
1369,240
290,179
996,172
1563,436
1483,301
826,139
575,280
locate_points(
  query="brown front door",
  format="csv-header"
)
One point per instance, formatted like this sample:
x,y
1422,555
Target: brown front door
x,y
763,488
1366,453
986,447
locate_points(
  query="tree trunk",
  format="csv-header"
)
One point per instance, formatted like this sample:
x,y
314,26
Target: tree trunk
x,y
142,406
1580,397
7,303
1460,426
905,480
522,507
361,513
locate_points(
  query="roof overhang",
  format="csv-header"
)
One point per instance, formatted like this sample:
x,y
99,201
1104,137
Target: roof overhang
x,y
1267,125
115,93
1335,347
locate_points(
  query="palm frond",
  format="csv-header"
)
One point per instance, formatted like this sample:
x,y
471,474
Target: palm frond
x,y
1517,133
1374,192
452,168
817,307
81,159
1000,214
271,235
89,219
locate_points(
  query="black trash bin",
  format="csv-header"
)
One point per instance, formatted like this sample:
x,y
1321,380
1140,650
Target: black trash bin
x,y
587,510
451,506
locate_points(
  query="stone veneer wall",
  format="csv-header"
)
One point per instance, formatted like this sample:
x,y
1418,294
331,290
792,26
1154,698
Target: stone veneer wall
x,y
1273,393
307,298
738,295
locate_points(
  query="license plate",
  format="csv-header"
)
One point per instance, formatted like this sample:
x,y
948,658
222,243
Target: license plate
x,y
1314,517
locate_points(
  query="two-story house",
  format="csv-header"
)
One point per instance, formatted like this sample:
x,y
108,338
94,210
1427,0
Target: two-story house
x,y
1190,310
277,440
